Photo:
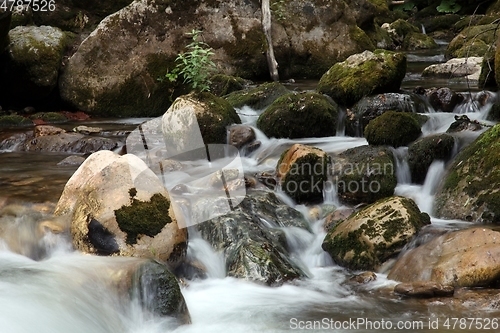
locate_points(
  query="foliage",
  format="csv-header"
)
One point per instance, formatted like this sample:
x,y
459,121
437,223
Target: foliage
x,y
445,6
278,9
195,66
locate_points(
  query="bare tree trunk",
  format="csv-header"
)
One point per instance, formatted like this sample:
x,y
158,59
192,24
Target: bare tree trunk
x,y
266,27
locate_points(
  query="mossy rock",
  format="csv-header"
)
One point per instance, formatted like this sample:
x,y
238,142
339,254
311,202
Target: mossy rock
x,y
424,151
364,174
14,121
369,237
402,28
494,114
363,74
439,22
224,84
393,129
302,171
49,117
21,17
487,77
419,41
473,41
471,188
258,97
299,115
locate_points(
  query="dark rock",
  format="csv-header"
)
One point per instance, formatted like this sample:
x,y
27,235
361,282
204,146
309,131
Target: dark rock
x,y
445,99
364,278
69,143
393,129
299,116
240,135
462,124
423,152
102,239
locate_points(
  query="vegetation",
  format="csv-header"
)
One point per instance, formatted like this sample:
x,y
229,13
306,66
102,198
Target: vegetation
x,y
195,66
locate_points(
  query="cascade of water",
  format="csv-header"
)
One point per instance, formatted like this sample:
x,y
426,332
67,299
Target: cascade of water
x,y
423,29
213,262
403,173
433,178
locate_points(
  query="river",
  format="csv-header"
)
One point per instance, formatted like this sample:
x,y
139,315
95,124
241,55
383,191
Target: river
x,y
45,286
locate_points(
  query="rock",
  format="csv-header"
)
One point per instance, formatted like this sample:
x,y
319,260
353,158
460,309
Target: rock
x,y
253,245
473,41
158,291
132,48
118,206
424,151
302,171
364,278
423,289
374,234
49,117
487,78
399,29
419,41
337,216
470,190
370,107
224,84
46,130
445,99
463,123
69,143
464,258
213,116
363,74
299,116
72,161
87,130
457,67
34,59
393,129
21,15
14,121
241,135
259,97
364,174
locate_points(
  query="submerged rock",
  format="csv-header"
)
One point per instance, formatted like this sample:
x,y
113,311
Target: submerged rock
x,y
471,188
69,143
364,174
392,129
374,234
302,171
119,206
465,258
299,115
363,74
423,289
463,123
424,151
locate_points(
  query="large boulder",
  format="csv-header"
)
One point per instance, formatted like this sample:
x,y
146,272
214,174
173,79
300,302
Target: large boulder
x,y
363,74
300,115
364,174
424,151
471,188
368,238
32,67
130,49
474,41
302,171
444,99
465,258
259,97
252,242
392,129
119,206
456,67
370,107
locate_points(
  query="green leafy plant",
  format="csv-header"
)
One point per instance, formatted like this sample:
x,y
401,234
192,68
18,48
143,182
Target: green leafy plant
x,y
278,9
195,66
448,6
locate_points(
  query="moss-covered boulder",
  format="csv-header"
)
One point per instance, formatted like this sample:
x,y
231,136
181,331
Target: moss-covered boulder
x,y
419,41
221,84
258,97
464,258
14,121
21,16
363,74
370,107
471,188
118,206
302,171
364,174
368,238
423,152
393,129
475,41
252,240
213,116
33,62
300,115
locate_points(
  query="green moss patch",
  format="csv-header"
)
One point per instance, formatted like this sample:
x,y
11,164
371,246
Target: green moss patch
x,y
257,97
143,217
393,129
14,120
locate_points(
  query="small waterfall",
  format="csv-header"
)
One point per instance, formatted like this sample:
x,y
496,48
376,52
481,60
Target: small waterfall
x,y
434,176
403,173
423,30
330,195
199,249
341,122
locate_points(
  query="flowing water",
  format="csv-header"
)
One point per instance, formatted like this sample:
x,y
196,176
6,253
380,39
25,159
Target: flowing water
x,y
45,286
